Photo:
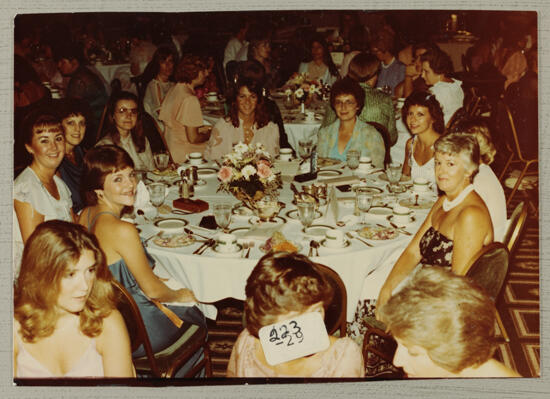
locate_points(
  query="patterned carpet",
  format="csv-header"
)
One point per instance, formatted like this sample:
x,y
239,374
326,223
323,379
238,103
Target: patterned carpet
x,y
518,306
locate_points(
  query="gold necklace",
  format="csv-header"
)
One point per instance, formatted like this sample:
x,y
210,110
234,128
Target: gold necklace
x,y
248,134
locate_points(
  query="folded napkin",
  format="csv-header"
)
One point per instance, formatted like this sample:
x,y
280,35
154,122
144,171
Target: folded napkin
x,y
331,215
142,201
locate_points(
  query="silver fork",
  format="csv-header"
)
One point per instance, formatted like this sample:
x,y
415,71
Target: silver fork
x,y
250,246
245,247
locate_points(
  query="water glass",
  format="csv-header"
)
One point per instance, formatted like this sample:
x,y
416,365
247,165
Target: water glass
x,y
363,200
305,147
306,212
162,160
393,172
352,159
222,214
157,193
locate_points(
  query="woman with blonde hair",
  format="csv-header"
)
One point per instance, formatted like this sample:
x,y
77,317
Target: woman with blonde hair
x,y
444,327
486,183
282,286
65,320
459,223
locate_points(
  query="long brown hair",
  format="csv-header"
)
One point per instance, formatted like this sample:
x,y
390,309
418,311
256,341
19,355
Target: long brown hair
x,y
261,116
51,248
137,133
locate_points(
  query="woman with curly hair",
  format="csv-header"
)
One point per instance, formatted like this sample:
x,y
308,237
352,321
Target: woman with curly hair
x,y
424,119
247,122
65,320
126,129
181,111
282,286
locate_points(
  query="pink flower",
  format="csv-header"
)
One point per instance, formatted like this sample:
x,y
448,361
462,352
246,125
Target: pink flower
x,y
263,162
225,174
264,171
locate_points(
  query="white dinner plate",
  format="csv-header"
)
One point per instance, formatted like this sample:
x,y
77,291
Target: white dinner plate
x,y
329,172
293,214
412,219
171,224
346,244
317,230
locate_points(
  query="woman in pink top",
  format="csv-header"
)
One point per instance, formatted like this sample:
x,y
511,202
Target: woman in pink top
x,y
65,320
280,287
181,111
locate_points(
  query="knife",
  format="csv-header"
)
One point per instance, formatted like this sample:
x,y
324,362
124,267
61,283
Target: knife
x,y
402,230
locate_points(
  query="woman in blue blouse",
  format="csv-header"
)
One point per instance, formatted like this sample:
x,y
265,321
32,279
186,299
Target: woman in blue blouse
x,y
348,132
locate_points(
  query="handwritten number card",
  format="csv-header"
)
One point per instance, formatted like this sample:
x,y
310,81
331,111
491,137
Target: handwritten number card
x,y
291,339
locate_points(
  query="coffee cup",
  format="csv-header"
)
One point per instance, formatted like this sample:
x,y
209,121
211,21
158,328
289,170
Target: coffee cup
x,y
334,238
226,242
285,154
195,158
421,184
310,116
365,163
212,96
402,214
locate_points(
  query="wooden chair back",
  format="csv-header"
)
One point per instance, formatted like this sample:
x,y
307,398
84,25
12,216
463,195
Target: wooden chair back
x,y
489,267
515,227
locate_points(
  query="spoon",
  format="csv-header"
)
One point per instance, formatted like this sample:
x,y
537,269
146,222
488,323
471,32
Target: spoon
x,y
189,231
358,239
316,245
249,245
310,253
141,213
416,200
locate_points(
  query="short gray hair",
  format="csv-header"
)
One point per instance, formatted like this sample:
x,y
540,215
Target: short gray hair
x,y
463,145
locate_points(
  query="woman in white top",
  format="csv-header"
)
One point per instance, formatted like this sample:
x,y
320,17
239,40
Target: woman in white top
x,y
160,71
126,131
38,194
65,318
424,119
320,67
486,183
436,67
247,122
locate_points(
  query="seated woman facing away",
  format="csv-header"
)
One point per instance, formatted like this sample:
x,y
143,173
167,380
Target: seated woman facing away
x,y
248,122
126,131
109,186
348,131
457,226
65,320
38,194
444,327
280,287
424,119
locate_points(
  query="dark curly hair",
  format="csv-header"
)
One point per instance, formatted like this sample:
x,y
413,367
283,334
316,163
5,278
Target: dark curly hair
x,y
428,100
282,283
439,61
348,86
261,115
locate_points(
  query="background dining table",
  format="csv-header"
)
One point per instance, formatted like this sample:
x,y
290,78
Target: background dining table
x,y
214,276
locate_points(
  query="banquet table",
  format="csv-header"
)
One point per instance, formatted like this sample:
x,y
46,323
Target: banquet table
x,y
214,276
108,72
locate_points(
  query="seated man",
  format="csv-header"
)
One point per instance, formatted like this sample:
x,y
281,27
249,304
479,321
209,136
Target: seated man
x,y
393,70
83,85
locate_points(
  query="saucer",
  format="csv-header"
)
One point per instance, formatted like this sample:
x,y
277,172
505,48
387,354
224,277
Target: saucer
x,y
370,189
274,220
329,172
206,171
239,231
293,214
237,248
412,219
203,162
346,244
317,230
383,211
243,211
171,224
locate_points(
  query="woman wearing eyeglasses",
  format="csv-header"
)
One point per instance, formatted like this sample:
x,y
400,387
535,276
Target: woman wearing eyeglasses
x,y
349,132
125,130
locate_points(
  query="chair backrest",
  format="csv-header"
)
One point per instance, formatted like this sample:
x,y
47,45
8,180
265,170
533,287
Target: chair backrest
x,y
515,226
489,266
135,325
517,147
459,115
335,315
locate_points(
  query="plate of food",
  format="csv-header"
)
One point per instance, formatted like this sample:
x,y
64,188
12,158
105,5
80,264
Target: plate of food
x,y
378,233
168,172
326,162
174,240
278,242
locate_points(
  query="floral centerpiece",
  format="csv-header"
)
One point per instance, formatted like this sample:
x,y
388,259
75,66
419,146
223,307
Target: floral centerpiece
x,y
300,86
247,173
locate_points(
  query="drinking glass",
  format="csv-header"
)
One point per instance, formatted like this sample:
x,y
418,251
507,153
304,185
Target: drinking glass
x,y
305,146
222,214
157,193
393,172
306,213
363,200
162,160
352,159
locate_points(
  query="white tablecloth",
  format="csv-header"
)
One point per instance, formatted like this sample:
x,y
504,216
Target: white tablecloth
x,y
213,277
108,72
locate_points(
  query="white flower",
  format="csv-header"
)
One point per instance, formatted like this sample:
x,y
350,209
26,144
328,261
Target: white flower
x,y
299,93
271,178
288,92
248,171
240,148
